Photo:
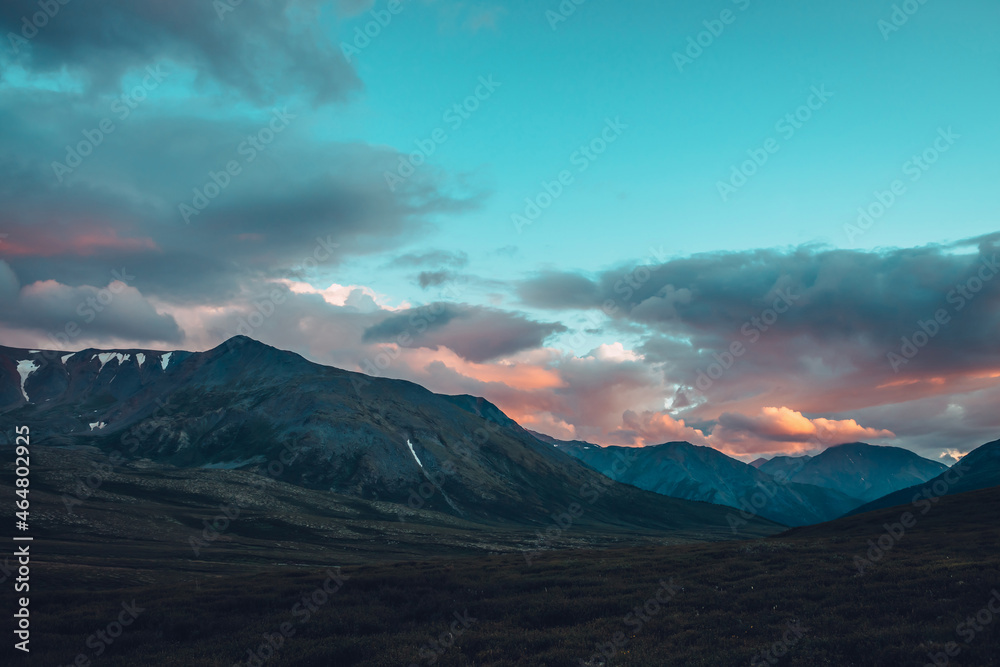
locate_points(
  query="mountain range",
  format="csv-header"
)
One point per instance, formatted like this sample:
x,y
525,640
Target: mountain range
x,y
979,469
796,491
858,469
247,406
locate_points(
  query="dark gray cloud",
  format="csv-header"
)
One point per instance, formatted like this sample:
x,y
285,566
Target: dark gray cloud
x,y
433,259
296,204
852,305
434,278
263,49
474,333
558,290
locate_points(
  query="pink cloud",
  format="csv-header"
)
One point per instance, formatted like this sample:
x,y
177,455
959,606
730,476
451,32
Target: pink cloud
x,y
654,428
29,242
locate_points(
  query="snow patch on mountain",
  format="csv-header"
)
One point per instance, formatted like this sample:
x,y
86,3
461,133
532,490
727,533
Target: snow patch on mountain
x,y
414,454
24,369
105,357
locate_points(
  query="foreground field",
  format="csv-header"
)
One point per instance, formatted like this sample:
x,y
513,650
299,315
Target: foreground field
x,y
801,594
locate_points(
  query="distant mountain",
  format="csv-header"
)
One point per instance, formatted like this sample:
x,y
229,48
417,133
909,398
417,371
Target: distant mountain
x,y
782,464
683,470
858,469
979,469
245,405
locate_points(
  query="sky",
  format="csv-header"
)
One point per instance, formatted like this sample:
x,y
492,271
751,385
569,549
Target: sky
x,y
763,227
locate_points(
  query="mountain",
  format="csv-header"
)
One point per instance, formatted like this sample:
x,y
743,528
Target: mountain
x,y
784,465
858,469
979,469
248,406
683,470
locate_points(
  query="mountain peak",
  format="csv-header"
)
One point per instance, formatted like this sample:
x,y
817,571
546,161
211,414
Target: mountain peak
x,y
852,445
241,340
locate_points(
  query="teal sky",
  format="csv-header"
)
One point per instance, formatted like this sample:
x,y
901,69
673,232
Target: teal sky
x,y
657,185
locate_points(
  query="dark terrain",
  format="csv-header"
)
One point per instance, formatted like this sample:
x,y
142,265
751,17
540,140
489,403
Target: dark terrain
x,y
732,601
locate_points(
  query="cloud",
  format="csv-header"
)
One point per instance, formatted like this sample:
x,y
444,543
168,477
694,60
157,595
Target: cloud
x,y
295,205
558,290
434,259
474,333
434,278
814,327
653,428
783,429
264,50
64,315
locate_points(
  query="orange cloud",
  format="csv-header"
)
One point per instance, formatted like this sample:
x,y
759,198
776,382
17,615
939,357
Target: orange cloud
x,y
654,428
783,430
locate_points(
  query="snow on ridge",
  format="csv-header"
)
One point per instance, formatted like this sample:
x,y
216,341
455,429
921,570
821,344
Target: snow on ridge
x,y
141,358
97,425
33,351
165,360
414,453
105,357
66,356
24,369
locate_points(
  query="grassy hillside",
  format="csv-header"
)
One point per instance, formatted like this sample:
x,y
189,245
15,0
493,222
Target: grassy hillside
x,y
705,604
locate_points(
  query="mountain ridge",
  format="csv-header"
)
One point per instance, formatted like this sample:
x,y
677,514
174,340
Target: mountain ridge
x,y
249,406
